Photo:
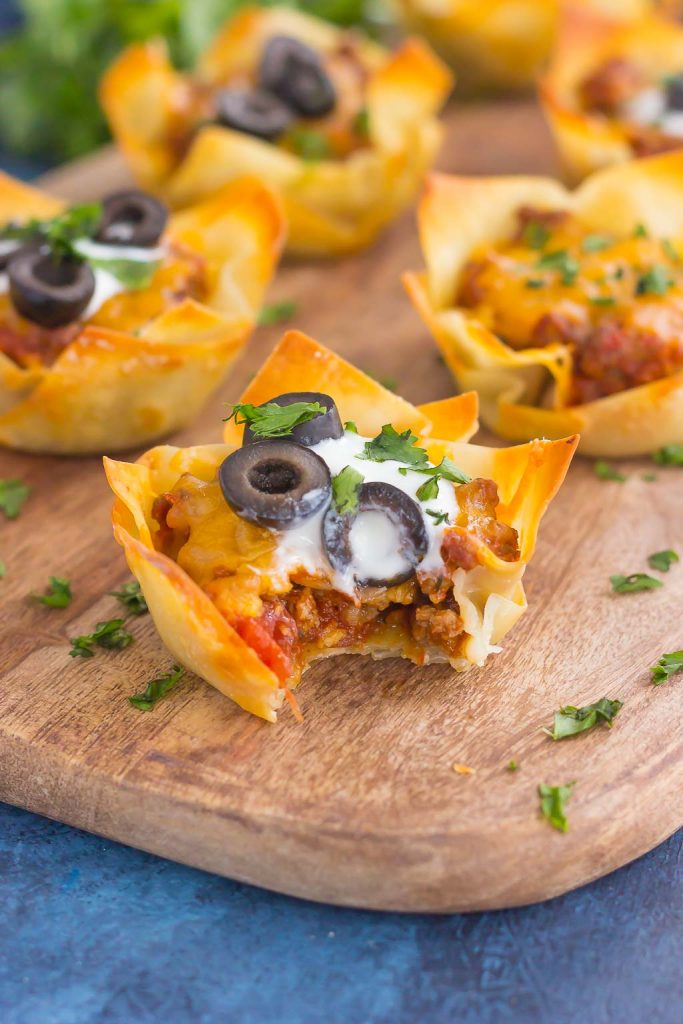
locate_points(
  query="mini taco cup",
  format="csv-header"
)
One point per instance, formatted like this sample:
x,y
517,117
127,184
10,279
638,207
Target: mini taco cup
x,y
333,205
127,377
526,392
201,620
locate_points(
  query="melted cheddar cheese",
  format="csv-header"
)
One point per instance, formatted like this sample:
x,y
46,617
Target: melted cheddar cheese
x,y
617,303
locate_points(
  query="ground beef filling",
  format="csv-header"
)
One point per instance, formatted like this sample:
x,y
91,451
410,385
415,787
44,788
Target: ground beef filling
x,y
195,527
615,303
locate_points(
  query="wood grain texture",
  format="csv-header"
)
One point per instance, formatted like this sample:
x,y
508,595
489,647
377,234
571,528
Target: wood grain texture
x,y
359,805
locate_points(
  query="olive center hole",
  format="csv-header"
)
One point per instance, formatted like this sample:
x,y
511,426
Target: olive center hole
x,y
57,273
274,477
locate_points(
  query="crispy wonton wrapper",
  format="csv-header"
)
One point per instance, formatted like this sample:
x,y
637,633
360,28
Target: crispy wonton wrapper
x,y
588,140
498,44
523,392
332,206
110,390
491,597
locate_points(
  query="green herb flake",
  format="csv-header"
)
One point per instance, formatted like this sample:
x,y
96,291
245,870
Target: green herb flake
x,y
351,427
390,446
535,234
670,251
649,478
654,281
111,635
669,455
361,123
662,560
132,274
603,300
273,420
439,517
60,232
634,583
309,144
3,570
640,231
553,801
607,472
570,720
446,470
156,689
512,766
563,262
668,665
57,595
595,243
13,494
345,488
131,597
277,313
534,282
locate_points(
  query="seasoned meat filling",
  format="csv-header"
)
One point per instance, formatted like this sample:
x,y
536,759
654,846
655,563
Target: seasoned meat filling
x,y
616,303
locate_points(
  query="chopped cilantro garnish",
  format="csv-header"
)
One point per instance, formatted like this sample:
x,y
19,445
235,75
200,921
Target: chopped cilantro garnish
x,y
131,597
351,427
595,243
57,595
607,472
110,635
132,274
669,455
534,282
561,261
309,144
634,583
273,420
670,251
345,487
640,231
446,470
553,800
512,765
390,383
390,446
570,720
668,665
276,313
156,689
3,570
361,123
439,517
13,494
535,234
654,281
649,478
662,560
603,300
618,273
60,232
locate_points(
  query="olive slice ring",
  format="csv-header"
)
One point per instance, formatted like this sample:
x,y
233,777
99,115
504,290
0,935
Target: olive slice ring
x,y
399,508
47,291
132,218
295,74
275,483
322,427
674,92
253,111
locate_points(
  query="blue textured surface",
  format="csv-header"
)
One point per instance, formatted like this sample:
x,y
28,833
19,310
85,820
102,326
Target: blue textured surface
x,y
96,932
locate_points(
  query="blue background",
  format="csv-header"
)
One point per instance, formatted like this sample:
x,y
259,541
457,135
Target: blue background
x,y
94,932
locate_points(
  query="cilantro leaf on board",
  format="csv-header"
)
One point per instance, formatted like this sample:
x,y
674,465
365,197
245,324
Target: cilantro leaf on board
x,y
662,560
634,583
13,494
553,801
668,665
131,597
156,688
110,634
570,720
57,595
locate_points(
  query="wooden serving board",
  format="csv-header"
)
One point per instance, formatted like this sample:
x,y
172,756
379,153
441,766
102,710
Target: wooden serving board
x,y
359,805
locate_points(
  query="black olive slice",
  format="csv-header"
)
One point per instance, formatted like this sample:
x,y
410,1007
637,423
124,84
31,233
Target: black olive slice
x,y
399,508
275,483
47,291
295,73
674,92
133,218
320,428
253,111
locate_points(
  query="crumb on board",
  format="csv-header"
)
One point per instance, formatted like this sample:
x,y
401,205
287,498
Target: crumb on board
x,y
462,769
